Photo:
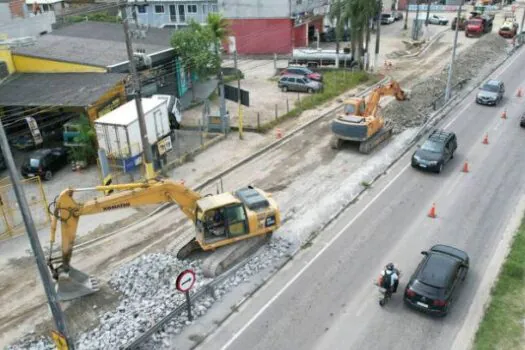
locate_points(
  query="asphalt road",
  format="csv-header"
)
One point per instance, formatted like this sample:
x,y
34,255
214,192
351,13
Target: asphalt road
x,y
325,299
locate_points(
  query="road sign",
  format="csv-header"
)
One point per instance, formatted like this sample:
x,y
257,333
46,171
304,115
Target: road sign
x,y
185,280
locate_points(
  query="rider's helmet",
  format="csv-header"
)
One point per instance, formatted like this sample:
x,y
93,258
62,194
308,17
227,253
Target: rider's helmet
x,y
390,267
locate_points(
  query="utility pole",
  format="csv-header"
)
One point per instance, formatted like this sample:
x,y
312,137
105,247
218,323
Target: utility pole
x,y
428,13
416,23
449,80
405,27
54,305
378,33
148,154
239,106
222,101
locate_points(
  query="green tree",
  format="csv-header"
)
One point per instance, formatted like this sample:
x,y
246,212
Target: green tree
x,y
220,29
194,46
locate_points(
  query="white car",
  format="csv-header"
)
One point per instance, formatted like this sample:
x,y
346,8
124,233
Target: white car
x,y
387,18
436,19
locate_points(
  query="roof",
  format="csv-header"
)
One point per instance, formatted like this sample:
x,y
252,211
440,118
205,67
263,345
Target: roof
x,y
94,43
217,201
56,89
438,270
127,113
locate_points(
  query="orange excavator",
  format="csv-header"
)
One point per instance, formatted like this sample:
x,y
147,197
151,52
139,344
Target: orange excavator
x,y
361,122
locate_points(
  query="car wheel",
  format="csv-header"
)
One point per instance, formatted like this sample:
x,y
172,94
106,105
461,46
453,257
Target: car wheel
x,y
440,169
48,175
310,91
285,88
382,302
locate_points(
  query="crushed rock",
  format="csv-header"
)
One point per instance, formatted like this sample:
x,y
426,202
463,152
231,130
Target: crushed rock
x,y
483,55
148,293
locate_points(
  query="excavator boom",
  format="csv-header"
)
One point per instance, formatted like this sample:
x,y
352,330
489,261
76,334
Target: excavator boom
x,y
76,283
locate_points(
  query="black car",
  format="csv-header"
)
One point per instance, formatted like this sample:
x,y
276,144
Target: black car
x,y
436,151
435,283
491,93
44,162
522,121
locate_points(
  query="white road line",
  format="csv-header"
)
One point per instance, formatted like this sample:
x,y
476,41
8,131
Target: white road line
x,y
350,223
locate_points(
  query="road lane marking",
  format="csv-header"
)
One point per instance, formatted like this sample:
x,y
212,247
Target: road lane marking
x,y
237,334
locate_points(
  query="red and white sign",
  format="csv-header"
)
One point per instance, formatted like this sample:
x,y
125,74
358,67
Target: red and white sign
x,y
185,280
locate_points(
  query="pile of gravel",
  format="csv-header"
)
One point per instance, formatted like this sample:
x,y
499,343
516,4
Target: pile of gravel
x,y
470,65
148,293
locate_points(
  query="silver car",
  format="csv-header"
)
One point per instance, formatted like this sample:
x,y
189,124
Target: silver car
x,y
491,93
293,82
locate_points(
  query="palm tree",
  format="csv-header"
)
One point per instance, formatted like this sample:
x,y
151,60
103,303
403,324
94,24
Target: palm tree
x,y
220,29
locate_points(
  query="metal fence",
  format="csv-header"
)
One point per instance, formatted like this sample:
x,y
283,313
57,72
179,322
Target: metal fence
x,y
11,223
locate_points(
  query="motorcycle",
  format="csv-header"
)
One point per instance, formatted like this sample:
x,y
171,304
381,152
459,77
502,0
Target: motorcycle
x,y
385,295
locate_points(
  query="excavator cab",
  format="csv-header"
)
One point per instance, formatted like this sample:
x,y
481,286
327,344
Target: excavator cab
x,y
354,106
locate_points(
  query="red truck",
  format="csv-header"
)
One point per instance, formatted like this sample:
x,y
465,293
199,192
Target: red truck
x,y
478,25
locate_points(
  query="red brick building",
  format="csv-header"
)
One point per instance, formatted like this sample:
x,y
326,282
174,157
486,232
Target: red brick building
x,y
277,26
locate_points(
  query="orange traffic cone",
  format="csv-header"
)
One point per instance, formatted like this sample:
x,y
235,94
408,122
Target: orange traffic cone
x,y
504,114
465,167
486,139
519,93
432,212
279,133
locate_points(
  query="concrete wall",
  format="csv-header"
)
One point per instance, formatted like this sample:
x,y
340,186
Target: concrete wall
x,y
173,14
29,26
26,64
262,36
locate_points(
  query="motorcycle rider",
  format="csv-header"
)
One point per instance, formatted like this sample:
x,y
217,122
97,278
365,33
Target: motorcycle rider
x,y
389,278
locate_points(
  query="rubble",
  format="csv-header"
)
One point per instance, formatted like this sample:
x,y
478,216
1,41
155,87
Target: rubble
x,y
148,292
473,63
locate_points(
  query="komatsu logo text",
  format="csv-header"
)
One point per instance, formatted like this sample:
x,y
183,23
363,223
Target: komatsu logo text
x,y
116,206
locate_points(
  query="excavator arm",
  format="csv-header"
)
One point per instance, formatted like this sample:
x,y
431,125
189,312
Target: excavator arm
x,y
68,212
391,89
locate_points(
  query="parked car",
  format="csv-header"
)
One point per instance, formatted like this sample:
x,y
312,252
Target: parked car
x,y
436,151
304,72
398,15
508,29
435,283
299,83
436,19
522,121
44,162
491,93
387,18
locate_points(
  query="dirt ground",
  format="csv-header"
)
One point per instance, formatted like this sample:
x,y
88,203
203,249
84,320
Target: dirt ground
x,y
304,164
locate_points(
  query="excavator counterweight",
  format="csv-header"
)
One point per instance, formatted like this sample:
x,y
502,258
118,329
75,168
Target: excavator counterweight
x,y
220,221
361,122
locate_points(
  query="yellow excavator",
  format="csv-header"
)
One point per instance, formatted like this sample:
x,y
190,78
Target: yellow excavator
x,y
249,215
360,121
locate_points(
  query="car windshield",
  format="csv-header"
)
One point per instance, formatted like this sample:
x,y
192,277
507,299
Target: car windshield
x,y
432,146
385,15
306,80
490,87
34,162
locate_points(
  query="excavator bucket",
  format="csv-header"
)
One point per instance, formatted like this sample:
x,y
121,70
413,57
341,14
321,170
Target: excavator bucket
x,y
75,285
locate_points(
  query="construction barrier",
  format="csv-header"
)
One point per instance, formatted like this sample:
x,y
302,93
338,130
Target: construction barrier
x,y
11,223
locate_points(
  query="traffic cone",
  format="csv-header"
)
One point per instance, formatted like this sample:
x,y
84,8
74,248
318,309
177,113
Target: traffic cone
x,y
465,167
279,133
520,93
432,212
504,114
486,139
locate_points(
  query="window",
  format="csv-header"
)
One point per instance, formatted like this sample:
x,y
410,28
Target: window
x,y
34,162
159,8
236,220
192,8
142,8
214,8
299,2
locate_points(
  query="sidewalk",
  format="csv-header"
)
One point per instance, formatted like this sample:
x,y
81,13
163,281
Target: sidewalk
x,y
203,90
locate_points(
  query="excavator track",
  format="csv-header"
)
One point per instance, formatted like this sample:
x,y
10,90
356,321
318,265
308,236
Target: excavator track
x,y
225,257
184,245
381,136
